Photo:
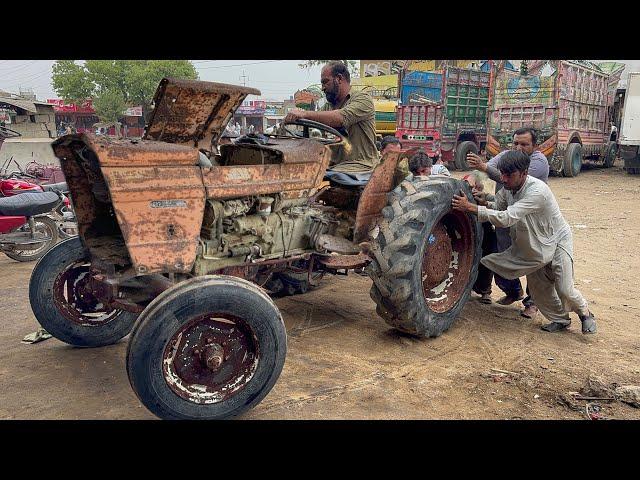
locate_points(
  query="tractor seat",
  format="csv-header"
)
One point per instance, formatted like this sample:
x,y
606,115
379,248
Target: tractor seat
x,y
349,179
29,205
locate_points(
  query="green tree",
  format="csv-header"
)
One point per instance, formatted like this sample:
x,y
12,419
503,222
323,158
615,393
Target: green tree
x,y
116,84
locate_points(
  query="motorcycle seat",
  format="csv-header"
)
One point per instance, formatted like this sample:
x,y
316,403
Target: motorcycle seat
x,y
55,187
29,205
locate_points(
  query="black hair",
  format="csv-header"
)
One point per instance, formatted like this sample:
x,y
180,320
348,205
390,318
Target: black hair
x,y
419,160
529,130
513,161
388,140
339,68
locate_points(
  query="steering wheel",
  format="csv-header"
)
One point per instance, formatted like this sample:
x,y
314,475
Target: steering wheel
x,y
308,124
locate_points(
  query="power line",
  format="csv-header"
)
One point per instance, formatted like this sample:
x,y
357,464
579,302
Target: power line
x,y
238,64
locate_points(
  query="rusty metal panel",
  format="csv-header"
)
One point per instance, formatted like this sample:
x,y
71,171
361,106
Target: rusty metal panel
x,y
374,196
157,194
304,163
339,262
193,112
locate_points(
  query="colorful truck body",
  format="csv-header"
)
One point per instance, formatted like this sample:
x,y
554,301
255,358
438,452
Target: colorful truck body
x,y
444,112
568,102
630,128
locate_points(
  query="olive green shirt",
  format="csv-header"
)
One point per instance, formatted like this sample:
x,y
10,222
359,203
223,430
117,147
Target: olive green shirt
x,y
359,120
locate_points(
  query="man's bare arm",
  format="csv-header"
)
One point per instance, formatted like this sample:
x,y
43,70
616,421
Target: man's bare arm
x,y
333,118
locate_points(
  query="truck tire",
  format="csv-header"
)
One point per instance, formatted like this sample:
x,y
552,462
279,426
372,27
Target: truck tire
x,y
610,155
45,226
461,154
80,321
426,257
208,348
572,163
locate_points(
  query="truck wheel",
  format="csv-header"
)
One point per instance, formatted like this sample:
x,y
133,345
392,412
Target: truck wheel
x,y
572,160
65,308
208,348
461,154
610,156
44,226
426,257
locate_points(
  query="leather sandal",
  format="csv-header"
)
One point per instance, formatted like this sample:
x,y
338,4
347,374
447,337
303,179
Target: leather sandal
x,y
554,327
485,298
529,312
508,299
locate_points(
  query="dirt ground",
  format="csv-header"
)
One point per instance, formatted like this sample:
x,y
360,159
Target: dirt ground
x,y
344,362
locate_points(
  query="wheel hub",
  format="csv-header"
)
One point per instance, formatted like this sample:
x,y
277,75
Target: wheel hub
x,y
437,258
210,357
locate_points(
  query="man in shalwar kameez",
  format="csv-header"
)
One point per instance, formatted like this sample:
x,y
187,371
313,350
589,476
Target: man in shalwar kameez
x,y
542,244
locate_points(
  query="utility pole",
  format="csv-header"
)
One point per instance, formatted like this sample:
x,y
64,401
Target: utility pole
x,y
244,77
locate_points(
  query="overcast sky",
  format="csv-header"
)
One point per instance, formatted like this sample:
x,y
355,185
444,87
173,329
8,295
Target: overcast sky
x,y
276,79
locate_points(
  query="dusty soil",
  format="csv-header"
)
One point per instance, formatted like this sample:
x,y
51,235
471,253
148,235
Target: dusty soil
x,y
344,362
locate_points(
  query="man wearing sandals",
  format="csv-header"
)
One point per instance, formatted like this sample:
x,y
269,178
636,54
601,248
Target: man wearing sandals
x,y
542,247
524,140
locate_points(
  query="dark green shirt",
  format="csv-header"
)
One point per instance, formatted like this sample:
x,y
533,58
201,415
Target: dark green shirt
x,y
359,119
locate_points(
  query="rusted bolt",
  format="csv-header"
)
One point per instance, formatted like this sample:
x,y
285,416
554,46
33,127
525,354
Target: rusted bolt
x,y
213,356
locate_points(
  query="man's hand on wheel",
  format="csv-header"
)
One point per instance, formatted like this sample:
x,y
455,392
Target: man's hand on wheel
x,y
295,114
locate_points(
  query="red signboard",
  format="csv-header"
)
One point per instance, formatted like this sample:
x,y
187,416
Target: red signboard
x,y
60,106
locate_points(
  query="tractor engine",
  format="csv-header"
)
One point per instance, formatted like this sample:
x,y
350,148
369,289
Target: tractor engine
x,y
265,227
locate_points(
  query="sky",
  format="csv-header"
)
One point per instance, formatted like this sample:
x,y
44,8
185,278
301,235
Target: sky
x,y
276,79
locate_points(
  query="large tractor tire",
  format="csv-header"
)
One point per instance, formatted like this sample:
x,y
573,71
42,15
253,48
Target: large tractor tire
x,y
461,154
572,163
208,348
610,155
68,310
426,257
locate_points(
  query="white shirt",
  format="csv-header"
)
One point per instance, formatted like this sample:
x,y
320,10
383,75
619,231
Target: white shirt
x,y
536,224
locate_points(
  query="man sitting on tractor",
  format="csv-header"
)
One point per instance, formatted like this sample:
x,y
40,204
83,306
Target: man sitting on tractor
x,y
352,113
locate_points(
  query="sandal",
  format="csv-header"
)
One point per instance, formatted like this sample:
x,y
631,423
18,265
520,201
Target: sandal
x,y
485,298
508,299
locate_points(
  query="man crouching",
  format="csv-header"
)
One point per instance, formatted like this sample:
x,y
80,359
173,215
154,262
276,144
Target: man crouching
x,y
542,243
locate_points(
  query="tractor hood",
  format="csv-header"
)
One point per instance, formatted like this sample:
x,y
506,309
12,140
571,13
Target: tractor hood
x,y
192,112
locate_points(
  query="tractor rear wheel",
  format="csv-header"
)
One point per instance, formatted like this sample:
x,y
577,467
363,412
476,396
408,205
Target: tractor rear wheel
x,y
426,257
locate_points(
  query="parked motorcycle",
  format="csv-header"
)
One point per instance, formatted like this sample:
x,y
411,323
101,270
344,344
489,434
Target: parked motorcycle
x,y
26,232
19,182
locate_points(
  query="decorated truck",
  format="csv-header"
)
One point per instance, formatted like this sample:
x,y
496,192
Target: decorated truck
x,y
568,102
444,112
630,128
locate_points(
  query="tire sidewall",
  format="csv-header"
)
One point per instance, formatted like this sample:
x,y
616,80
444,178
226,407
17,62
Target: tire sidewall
x,y
461,154
41,298
571,167
167,313
443,321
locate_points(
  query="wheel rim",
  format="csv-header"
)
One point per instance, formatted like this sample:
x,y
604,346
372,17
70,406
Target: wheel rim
x,y
41,228
577,160
75,301
210,358
447,261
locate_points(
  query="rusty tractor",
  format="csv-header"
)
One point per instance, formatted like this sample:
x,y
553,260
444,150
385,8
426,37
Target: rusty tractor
x,y
179,233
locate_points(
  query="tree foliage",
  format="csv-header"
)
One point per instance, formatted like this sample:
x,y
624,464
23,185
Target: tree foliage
x,y
116,84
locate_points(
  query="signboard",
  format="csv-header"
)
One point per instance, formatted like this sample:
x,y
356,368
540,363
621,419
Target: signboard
x,y
60,106
133,112
254,107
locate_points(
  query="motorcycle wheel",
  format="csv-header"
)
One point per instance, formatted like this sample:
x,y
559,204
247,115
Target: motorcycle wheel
x,y
45,226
